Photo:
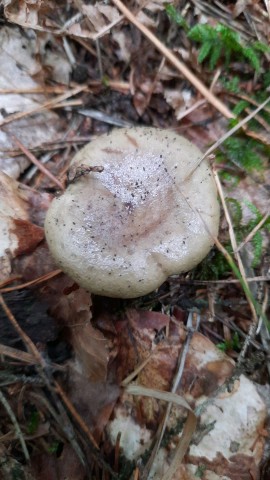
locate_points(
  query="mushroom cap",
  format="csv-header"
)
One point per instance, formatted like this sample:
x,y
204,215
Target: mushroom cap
x,y
121,232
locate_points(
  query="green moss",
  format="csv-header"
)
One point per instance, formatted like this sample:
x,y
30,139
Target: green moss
x,y
242,152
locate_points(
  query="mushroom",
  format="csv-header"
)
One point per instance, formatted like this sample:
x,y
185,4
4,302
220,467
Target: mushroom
x,y
136,211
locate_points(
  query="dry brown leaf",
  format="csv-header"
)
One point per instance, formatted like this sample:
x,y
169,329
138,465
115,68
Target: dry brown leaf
x,y
54,467
235,415
143,7
151,5
94,401
91,350
23,12
123,52
179,99
20,230
100,15
240,6
71,306
100,19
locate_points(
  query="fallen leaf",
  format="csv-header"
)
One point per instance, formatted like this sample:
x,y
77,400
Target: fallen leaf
x,y
19,68
18,234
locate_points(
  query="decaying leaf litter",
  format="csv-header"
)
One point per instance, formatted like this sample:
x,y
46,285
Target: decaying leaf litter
x,y
99,386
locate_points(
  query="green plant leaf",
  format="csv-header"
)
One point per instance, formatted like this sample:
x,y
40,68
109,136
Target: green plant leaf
x,y
215,55
240,107
221,41
261,47
232,84
204,51
174,15
253,58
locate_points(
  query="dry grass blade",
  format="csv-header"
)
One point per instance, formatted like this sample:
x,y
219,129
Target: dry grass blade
x,y
180,66
234,246
189,427
251,300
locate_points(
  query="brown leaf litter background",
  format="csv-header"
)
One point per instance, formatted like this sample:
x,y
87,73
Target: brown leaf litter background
x,y
71,71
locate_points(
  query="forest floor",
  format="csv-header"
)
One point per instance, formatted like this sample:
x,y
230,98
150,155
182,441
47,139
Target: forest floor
x,y
174,384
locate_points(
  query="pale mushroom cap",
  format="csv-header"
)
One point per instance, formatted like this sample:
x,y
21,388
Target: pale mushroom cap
x,y
121,232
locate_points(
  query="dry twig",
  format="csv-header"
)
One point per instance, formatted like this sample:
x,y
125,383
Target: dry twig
x,y
180,66
36,162
46,105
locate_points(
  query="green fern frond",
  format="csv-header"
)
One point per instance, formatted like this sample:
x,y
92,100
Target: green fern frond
x,y
240,107
215,55
232,84
221,41
202,33
256,212
250,54
204,51
229,37
261,47
176,16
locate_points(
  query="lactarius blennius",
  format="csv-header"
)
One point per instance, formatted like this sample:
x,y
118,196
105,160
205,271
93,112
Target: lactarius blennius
x,y
145,213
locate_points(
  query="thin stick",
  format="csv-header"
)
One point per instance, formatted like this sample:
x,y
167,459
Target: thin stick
x,y
75,414
137,370
234,246
254,230
227,135
175,61
17,429
193,107
176,382
17,354
36,162
35,90
49,104
235,128
10,280
27,341
38,280
260,278
65,422
251,300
